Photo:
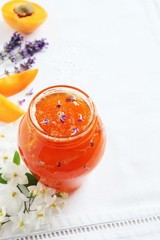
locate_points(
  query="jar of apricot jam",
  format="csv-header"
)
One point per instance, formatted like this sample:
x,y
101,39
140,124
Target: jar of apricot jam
x,y
61,137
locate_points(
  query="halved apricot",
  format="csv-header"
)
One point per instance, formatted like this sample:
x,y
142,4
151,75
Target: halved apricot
x,y
24,16
10,85
9,112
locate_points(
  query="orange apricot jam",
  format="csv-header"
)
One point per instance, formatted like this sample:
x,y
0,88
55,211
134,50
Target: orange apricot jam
x,y
61,137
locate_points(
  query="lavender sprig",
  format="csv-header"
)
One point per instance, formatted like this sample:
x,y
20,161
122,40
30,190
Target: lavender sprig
x,y
58,104
15,41
30,48
25,50
75,131
30,92
12,57
25,65
21,102
45,121
62,117
71,99
21,68
80,118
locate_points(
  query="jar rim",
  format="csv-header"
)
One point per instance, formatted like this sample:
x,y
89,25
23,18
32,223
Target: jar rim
x,y
61,88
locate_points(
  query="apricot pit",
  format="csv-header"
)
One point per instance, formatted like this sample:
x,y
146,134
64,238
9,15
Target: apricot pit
x,y
24,10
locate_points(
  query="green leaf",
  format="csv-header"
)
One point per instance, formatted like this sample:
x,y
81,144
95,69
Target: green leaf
x,y
2,180
31,180
16,158
23,189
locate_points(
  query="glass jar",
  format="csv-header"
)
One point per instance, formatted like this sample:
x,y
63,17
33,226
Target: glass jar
x,y
59,144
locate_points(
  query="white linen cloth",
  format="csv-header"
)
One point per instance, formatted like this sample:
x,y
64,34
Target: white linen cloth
x,y
110,49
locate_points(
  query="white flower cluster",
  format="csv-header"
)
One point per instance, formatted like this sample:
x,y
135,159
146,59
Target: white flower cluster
x,y
7,143
25,204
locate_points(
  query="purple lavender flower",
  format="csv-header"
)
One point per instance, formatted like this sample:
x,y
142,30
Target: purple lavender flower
x,y
9,47
21,102
30,92
16,69
91,143
15,41
40,44
27,51
75,131
24,66
62,117
71,99
58,104
27,65
45,121
80,119
12,57
3,55
31,48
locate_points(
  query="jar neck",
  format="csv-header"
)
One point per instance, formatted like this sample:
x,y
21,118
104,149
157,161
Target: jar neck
x,y
56,140
67,142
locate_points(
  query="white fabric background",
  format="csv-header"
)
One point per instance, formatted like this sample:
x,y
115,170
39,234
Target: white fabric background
x,y
110,49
